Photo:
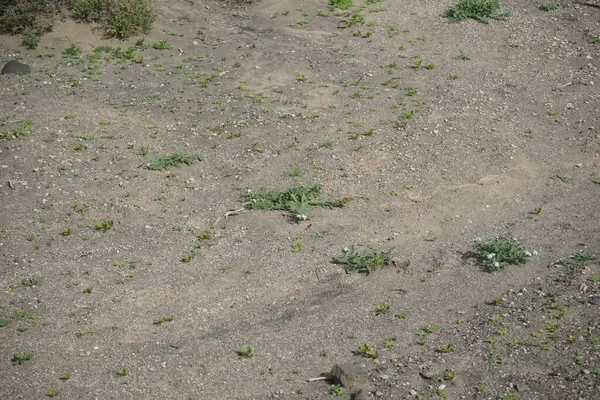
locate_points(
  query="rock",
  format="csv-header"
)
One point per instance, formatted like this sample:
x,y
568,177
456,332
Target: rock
x,y
15,67
594,300
360,394
521,386
427,374
350,376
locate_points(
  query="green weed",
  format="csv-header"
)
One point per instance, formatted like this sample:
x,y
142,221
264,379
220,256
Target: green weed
x,y
20,358
338,390
30,38
72,51
173,161
368,351
479,10
103,225
500,251
363,262
382,308
17,132
245,352
342,4
295,200
162,45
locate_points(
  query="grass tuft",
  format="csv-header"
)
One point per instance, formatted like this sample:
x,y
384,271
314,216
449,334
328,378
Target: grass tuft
x,y
295,200
363,262
500,251
173,161
479,10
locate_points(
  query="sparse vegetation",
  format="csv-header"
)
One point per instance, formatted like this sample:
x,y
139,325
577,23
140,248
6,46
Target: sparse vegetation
x,y
480,10
173,161
295,200
497,252
364,262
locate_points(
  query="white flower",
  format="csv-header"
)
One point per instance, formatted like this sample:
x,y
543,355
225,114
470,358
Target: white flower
x,y
345,249
528,253
301,217
496,264
535,253
491,255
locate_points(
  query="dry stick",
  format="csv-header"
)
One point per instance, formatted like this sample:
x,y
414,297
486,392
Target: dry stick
x,y
320,378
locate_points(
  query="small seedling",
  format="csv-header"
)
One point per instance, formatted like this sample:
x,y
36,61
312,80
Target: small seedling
x,y
21,358
382,308
449,375
67,231
338,390
162,45
103,225
402,315
161,320
368,351
500,251
65,377
245,352
462,57
446,348
364,262
206,235
122,372
72,51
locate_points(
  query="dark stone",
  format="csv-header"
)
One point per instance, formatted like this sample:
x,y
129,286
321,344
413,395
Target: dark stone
x,y
15,67
350,376
595,300
360,394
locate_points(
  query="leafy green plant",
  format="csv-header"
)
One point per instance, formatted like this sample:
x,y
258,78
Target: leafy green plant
x,y
30,38
382,308
173,161
16,133
245,352
162,45
342,4
575,261
497,252
368,351
295,200
364,262
337,390
161,320
446,348
72,51
20,358
479,10
125,18
103,225
462,57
